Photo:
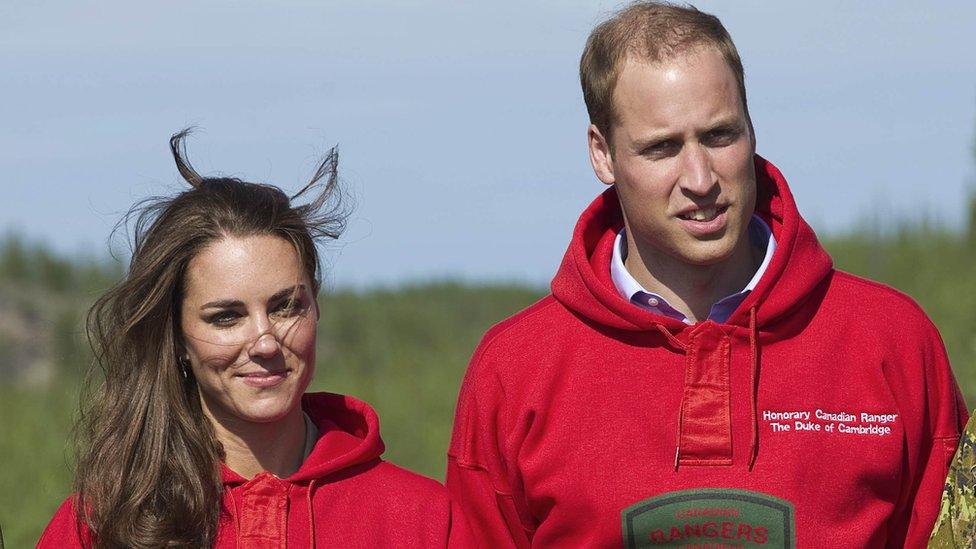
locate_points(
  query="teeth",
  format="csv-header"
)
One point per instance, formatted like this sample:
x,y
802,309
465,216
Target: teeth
x,y
705,214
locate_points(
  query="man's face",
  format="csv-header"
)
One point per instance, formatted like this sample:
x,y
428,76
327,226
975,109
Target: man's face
x,y
681,158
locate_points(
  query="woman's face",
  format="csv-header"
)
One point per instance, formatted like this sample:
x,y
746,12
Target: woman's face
x,y
248,320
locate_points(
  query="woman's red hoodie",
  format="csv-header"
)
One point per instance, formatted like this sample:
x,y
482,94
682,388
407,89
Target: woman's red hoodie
x,y
343,495
823,413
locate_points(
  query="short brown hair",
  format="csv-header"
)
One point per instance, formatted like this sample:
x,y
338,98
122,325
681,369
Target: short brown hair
x,y
654,32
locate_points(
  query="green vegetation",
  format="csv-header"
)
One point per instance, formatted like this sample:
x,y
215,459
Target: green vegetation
x,y
403,350
35,450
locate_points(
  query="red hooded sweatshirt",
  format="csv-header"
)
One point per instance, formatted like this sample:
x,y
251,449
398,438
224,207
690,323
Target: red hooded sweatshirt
x,y
343,495
823,413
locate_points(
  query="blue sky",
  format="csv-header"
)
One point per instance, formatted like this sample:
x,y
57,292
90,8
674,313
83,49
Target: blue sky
x,y
461,125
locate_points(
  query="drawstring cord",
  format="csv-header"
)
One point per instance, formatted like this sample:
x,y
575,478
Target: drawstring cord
x,y
671,337
311,515
681,411
754,386
237,517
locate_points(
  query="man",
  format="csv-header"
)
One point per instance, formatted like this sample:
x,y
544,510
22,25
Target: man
x,y
700,376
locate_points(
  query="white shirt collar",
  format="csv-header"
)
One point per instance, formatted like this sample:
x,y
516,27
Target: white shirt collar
x,y
628,287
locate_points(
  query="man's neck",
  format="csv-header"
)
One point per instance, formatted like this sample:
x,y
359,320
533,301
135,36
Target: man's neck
x,y
251,448
691,289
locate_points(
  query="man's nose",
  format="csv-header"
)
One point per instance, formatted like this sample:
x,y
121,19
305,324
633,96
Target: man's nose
x,y
697,176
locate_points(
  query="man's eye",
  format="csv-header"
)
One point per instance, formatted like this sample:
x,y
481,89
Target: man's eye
x,y
721,137
661,149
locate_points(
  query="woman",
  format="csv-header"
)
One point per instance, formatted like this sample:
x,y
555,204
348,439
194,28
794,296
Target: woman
x,y
201,434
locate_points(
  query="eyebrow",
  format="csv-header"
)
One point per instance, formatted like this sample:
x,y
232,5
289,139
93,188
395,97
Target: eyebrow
x,y
231,303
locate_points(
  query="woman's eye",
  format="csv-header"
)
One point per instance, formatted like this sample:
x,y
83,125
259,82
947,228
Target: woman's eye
x,y
289,307
224,318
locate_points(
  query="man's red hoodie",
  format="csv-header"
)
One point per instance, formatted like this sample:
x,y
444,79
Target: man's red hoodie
x,y
343,495
823,413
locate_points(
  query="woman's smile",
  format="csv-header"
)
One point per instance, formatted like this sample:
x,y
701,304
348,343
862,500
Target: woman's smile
x,y
263,380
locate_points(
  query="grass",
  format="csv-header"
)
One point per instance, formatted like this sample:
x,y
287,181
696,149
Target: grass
x,y
35,447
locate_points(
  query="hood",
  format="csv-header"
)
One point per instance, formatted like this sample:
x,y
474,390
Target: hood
x,y
583,283
349,435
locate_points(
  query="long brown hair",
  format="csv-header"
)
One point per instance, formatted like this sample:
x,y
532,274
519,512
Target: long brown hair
x,y
148,472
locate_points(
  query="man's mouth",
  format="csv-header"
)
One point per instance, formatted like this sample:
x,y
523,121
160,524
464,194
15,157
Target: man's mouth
x,y
703,214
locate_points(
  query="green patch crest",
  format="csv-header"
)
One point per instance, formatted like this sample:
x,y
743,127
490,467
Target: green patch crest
x,y
712,518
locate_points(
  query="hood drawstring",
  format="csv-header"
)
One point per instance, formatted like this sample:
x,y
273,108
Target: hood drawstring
x,y
671,337
311,514
237,516
754,386
681,410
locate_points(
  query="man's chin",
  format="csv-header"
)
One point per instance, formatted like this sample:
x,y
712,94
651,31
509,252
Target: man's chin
x,y
707,254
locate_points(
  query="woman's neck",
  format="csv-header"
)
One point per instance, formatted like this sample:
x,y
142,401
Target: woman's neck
x,y
251,448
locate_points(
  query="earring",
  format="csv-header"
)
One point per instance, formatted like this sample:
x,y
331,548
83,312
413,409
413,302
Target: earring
x,y
184,362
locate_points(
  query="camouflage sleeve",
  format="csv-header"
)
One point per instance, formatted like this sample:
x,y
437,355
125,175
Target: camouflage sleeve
x,y
956,525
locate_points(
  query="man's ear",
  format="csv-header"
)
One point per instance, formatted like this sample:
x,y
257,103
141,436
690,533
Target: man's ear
x,y
600,156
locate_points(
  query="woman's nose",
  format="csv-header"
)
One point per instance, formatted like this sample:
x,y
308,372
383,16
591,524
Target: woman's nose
x,y
265,346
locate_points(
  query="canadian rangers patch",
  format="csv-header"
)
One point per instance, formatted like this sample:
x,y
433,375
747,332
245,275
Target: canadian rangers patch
x,y
710,519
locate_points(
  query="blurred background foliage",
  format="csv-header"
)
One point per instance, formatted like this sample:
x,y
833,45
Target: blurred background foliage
x,y
402,349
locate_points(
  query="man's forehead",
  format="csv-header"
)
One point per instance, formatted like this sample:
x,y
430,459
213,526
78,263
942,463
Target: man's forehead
x,y
638,76
637,73
685,55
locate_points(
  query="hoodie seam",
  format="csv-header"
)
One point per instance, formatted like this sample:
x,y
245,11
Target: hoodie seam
x,y
472,466
887,290
926,331
504,327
